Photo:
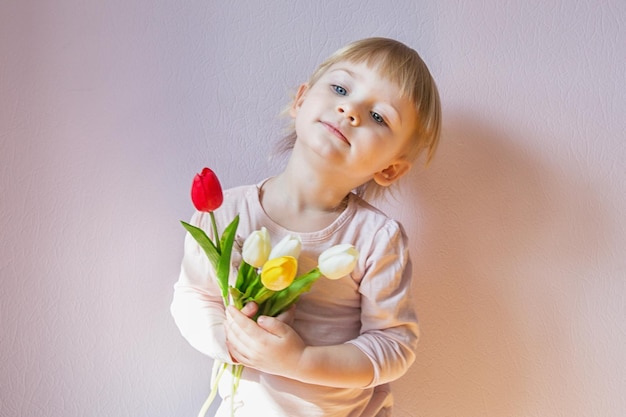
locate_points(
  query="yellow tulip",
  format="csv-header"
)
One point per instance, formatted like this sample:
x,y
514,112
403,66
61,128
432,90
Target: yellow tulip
x,y
278,273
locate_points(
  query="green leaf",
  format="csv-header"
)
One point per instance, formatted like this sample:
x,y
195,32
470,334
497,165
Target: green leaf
x,y
252,284
228,236
237,296
262,296
282,300
242,275
205,243
223,266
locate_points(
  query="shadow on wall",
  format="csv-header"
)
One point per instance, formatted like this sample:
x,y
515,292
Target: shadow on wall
x,y
489,217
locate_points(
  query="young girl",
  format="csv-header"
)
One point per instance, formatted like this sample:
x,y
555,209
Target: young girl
x,y
359,123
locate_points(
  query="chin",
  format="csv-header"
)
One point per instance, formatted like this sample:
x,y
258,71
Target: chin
x,y
324,149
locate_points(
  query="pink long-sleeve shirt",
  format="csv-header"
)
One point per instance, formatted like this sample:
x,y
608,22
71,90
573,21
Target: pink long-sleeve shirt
x,y
371,308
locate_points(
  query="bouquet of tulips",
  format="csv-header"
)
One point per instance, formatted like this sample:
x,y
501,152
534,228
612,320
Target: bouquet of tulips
x,y
267,275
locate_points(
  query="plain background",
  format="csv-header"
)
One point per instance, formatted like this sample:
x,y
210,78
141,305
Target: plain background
x,y
108,109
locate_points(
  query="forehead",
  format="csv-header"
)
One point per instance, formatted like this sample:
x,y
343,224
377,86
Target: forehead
x,y
364,72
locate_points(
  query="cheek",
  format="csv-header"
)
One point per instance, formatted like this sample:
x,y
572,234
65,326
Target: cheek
x,y
311,107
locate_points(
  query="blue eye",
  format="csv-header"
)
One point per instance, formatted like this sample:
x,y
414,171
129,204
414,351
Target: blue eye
x,y
340,90
377,118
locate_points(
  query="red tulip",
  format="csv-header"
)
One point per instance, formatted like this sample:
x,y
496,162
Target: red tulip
x,y
206,191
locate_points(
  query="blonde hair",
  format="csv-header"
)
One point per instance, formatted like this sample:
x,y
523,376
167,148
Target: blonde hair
x,y
403,66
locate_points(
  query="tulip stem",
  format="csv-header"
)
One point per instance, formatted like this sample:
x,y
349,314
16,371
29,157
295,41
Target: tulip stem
x,y
236,371
214,386
217,236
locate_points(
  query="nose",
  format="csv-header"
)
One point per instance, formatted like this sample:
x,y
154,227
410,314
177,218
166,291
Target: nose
x,y
349,112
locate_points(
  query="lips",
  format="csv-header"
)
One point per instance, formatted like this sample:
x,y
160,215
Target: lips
x,y
335,131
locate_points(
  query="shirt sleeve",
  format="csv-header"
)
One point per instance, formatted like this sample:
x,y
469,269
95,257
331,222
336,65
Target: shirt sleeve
x,y
197,306
389,327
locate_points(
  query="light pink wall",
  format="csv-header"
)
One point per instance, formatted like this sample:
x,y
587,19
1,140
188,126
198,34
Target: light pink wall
x,y
108,109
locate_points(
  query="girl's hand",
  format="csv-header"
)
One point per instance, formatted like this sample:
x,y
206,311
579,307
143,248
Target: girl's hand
x,y
269,345
288,316
251,308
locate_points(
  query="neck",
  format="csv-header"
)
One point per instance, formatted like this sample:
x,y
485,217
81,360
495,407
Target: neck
x,y
301,204
302,190
311,182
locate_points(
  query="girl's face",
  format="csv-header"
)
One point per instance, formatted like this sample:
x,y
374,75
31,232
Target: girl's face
x,y
356,121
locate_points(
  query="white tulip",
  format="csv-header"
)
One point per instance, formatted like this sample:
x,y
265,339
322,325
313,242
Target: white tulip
x,y
256,248
289,246
338,261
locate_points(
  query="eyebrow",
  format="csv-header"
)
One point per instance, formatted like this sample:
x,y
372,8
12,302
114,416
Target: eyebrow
x,y
350,72
347,71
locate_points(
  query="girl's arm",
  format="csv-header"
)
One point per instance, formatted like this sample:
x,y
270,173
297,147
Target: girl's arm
x,y
197,305
272,346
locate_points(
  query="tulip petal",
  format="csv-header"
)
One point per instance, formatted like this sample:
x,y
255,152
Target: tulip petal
x,y
256,248
338,261
290,245
206,191
278,273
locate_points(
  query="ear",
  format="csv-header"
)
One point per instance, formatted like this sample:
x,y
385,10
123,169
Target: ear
x,y
298,100
392,173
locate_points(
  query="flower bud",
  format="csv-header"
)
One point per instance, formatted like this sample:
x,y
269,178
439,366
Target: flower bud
x,y
338,261
278,273
256,248
288,246
206,191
